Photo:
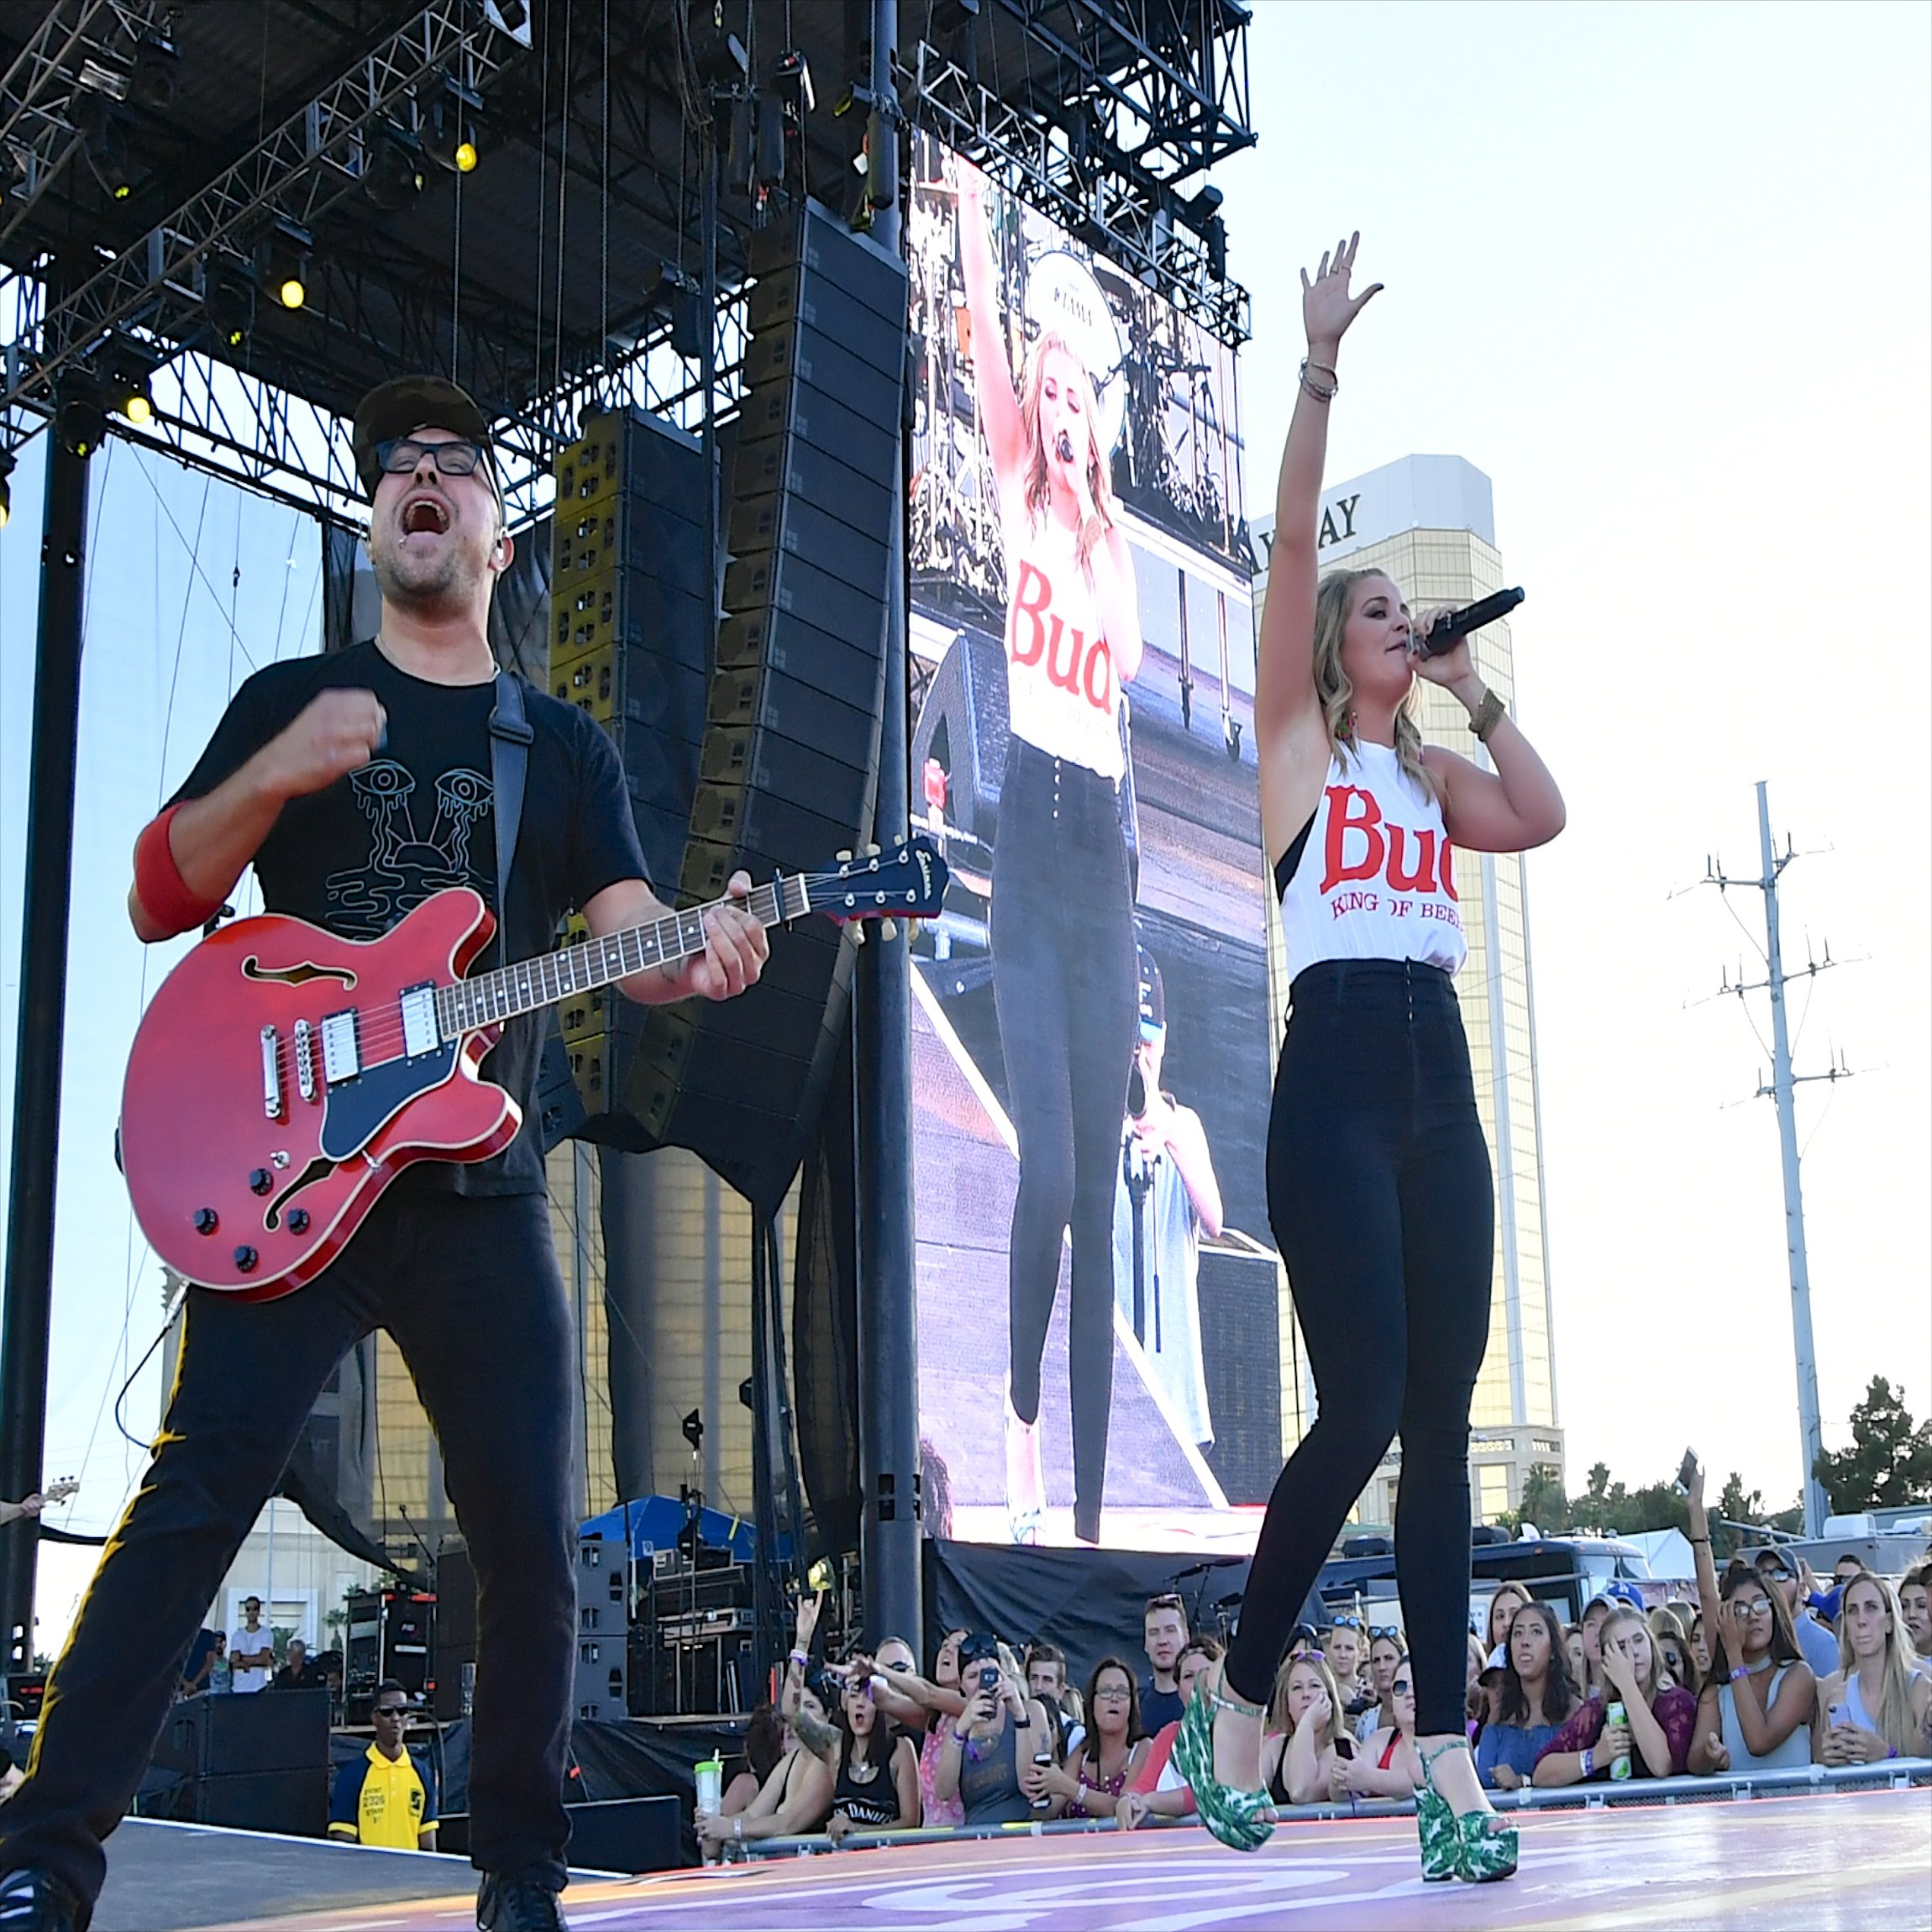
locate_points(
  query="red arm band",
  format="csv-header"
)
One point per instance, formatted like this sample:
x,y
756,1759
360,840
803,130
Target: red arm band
x,y
166,897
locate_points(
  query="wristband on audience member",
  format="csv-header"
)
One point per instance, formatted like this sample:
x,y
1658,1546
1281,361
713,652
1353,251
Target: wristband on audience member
x,y
801,1659
1740,1673
166,897
1590,1762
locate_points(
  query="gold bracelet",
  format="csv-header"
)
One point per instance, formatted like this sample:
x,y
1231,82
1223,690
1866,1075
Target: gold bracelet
x,y
1487,716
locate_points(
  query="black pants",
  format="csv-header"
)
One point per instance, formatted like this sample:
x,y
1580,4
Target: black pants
x,y
1065,985
1379,1194
471,1290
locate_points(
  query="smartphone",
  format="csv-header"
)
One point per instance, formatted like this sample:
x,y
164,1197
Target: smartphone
x,y
988,1676
1687,1473
1835,1716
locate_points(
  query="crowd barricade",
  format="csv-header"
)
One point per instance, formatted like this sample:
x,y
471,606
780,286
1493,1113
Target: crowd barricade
x,y
1889,1774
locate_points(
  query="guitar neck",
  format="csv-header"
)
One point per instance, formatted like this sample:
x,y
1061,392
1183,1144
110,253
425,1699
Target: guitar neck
x,y
529,984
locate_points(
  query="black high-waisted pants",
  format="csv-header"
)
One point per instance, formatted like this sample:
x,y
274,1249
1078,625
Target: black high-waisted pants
x,y
1379,1191
1066,988
469,1288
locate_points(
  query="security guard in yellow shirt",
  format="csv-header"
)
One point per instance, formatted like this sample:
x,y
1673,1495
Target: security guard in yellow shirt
x,y
385,1798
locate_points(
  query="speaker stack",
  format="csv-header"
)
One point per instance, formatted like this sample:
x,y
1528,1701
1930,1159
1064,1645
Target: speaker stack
x,y
257,1763
784,769
603,1631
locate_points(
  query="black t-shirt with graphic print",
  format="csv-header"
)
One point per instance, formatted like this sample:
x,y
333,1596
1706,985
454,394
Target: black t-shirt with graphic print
x,y
418,817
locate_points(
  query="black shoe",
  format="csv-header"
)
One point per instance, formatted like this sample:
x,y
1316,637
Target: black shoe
x,y
506,1901
35,1901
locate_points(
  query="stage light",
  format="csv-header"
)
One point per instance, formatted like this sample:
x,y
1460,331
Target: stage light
x,y
281,262
448,124
80,421
1216,239
103,129
127,372
5,487
228,297
391,170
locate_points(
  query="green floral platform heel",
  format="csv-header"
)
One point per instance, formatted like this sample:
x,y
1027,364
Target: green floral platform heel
x,y
1242,1820
1477,1846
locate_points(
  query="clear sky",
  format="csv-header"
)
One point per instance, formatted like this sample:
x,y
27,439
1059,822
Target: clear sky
x,y
1662,273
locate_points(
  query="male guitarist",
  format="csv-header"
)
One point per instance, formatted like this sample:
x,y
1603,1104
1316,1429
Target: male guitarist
x,y
357,784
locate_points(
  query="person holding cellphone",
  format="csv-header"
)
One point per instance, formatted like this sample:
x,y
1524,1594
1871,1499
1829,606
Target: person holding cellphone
x,y
1877,1705
1380,1192
982,1751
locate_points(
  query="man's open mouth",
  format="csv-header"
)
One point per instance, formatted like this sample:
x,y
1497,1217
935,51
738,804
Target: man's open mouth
x,y
424,515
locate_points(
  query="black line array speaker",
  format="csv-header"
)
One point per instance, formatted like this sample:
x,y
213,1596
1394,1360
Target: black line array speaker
x,y
603,1632
787,764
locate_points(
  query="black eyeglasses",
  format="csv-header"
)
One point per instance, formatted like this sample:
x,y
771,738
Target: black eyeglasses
x,y
1401,1686
397,1711
400,454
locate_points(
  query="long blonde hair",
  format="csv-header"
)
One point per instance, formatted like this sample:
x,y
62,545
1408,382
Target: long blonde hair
x,y
1659,1677
1334,599
1277,1705
1099,484
1895,1724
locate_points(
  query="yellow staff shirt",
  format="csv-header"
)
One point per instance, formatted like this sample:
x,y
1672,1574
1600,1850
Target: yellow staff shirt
x,y
381,1801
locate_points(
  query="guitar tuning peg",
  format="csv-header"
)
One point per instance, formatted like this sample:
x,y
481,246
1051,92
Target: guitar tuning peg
x,y
842,858
889,929
872,851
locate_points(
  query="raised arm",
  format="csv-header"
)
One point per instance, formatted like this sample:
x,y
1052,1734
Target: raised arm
x,y
992,375
1285,673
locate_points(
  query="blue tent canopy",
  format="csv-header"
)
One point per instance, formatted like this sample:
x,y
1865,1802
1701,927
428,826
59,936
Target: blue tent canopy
x,y
656,1522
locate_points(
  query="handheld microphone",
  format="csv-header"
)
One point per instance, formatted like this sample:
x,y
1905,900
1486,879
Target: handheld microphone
x,y
1459,624
1063,447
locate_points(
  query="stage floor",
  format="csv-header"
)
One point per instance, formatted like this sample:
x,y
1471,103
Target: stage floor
x,y
1813,1863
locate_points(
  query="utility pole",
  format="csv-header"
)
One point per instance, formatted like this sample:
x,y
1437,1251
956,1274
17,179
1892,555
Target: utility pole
x,y
1782,1090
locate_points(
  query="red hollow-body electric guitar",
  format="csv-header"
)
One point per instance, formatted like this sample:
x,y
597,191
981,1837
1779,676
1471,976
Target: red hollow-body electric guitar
x,y
283,1077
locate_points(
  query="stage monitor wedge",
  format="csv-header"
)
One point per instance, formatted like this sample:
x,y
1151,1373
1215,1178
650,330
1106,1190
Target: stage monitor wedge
x,y
784,763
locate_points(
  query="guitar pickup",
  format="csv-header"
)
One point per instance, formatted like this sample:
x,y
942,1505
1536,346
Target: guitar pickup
x,y
420,1034
305,1059
341,1058
271,1073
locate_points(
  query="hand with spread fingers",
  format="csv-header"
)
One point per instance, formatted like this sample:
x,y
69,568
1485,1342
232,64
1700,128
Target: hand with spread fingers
x,y
1327,308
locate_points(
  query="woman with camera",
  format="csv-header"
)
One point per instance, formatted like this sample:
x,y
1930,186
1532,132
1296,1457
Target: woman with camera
x,y
981,1751
1380,1192
1106,1760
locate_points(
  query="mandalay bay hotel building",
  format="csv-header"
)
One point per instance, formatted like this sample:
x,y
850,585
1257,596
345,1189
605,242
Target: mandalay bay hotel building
x,y
1428,522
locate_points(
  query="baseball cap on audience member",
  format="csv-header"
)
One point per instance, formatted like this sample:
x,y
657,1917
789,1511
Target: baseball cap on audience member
x,y
1154,997
409,403
1616,1593
1774,1561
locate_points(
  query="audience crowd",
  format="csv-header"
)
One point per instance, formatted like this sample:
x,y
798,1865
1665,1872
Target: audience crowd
x,y
1770,1666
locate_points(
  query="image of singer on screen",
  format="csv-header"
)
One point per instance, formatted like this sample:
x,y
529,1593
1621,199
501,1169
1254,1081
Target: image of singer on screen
x,y
1062,931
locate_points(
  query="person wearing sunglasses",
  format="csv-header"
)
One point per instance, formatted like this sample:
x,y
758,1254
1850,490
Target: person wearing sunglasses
x,y
386,1797
1341,1647
357,782
1387,1765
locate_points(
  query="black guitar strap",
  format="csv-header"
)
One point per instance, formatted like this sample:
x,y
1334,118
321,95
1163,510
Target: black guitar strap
x,y
510,741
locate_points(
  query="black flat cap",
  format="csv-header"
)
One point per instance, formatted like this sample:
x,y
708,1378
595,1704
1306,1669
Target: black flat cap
x,y
394,409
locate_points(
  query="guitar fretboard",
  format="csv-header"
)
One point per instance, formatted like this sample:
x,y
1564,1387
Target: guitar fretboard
x,y
528,984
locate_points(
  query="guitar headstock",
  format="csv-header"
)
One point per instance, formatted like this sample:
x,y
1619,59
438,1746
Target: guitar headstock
x,y
59,1492
908,882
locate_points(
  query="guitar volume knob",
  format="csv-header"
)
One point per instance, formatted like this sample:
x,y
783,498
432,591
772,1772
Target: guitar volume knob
x,y
206,1220
298,1221
245,1259
261,1181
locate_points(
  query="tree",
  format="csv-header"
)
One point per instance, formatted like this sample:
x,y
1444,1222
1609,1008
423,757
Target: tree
x,y
1544,1503
1889,1463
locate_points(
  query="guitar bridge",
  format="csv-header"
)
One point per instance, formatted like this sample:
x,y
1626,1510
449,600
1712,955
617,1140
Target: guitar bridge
x,y
305,1059
271,1073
